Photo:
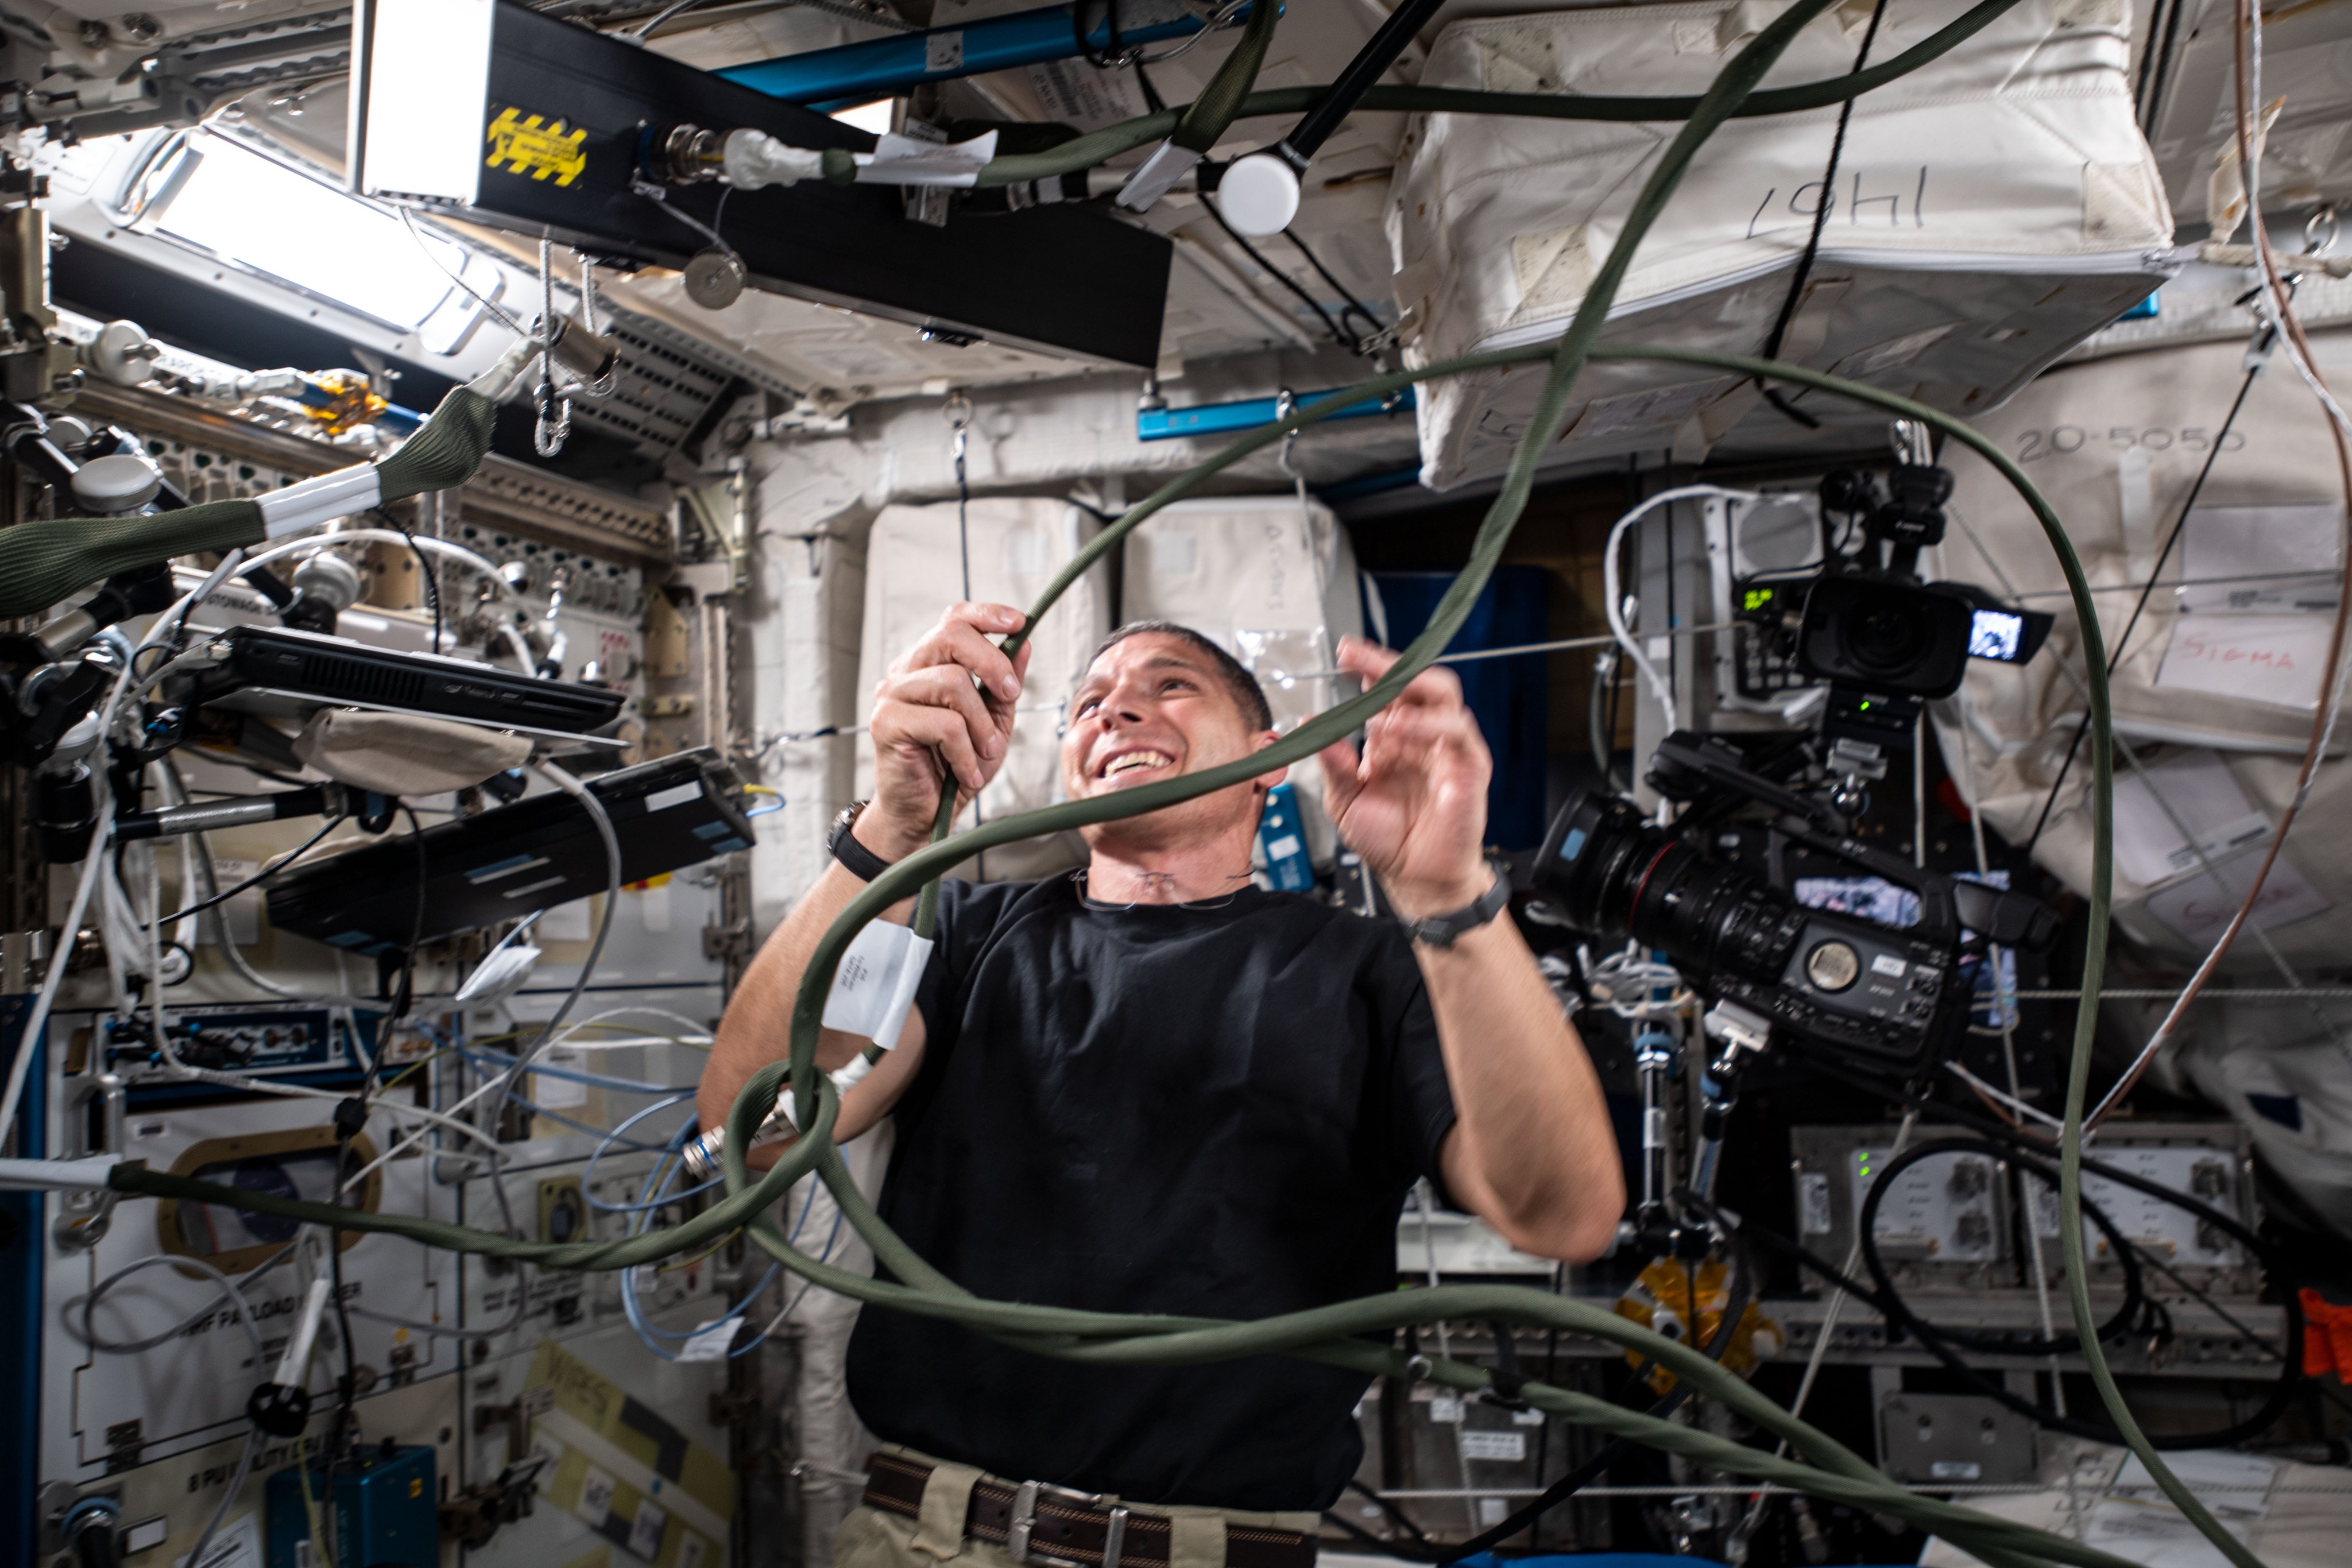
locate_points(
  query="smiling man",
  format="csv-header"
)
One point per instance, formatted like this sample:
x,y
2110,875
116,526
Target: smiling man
x,y
1151,1087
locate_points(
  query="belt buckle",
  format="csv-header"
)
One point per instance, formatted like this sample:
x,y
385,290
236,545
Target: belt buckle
x,y
1024,1520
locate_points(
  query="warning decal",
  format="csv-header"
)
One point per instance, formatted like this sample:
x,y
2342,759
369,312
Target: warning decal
x,y
528,144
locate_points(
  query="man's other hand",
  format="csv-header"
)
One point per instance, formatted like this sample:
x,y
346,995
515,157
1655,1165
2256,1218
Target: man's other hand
x,y
951,696
1414,804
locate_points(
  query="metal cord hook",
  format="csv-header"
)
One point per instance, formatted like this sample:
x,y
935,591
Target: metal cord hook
x,y
555,424
2323,229
958,412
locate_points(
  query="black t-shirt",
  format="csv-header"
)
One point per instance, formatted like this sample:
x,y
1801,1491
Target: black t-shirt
x,y
1212,1112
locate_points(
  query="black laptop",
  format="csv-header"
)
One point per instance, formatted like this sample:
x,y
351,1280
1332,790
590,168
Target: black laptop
x,y
507,861
280,666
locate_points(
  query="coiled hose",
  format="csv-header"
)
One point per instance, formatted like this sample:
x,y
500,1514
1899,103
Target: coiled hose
x,y
1330,1335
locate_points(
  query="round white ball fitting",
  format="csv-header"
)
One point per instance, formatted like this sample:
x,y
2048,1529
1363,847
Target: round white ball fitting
x,y
1259,194
114,485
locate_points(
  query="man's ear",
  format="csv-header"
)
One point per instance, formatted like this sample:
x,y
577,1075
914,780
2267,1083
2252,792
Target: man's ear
x,y
1267,781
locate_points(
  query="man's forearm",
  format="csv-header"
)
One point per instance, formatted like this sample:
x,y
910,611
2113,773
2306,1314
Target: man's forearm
x,y
757,1028
1533,1151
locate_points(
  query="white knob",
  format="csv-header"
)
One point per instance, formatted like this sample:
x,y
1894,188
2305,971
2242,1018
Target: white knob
x,y
1259,194
112,486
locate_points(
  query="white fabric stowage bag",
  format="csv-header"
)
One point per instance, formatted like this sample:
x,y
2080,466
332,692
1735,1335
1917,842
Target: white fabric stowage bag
x,y
915,569
1989,211
1274,587
2215,688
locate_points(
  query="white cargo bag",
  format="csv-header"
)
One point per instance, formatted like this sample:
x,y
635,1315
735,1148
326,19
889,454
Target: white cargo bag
x,y
1989,211
2218,676
1275,587
914,570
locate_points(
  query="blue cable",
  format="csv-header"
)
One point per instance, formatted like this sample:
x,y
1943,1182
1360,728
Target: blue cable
x,y
597,1080
588,1176
538,1110
655,1190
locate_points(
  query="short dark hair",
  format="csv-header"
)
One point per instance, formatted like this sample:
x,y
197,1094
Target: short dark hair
x,y
1238,682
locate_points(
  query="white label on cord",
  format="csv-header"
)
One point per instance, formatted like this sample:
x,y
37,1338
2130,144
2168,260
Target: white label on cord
x,y
876,983
943,52
309,502
1157,176
559,1093
905,161
710,1342
237,1545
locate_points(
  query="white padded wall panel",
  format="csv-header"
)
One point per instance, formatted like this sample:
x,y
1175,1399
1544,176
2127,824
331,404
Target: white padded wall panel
x,y
1276,589
915,569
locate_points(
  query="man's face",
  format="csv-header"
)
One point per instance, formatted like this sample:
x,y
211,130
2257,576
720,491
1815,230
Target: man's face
x,y
1151,707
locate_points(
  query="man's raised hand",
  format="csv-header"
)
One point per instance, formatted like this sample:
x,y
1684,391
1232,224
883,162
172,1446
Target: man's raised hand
x,y
1414,803
951,696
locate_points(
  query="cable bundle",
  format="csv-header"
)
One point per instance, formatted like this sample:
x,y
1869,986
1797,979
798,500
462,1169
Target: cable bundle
x,y
1332,1334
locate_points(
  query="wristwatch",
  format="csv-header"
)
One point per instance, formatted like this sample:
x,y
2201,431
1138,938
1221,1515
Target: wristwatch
x,y
1443,930
842,844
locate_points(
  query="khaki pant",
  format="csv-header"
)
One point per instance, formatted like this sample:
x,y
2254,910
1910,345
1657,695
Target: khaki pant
x,y
873,1538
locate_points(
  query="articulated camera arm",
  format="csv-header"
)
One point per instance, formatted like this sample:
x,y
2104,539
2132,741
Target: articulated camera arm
x,y
1687,764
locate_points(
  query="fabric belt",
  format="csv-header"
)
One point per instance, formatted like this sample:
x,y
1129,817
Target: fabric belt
x,y
1039,1523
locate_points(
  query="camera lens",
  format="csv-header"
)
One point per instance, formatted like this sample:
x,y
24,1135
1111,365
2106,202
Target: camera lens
x,y
1610,873
1885,638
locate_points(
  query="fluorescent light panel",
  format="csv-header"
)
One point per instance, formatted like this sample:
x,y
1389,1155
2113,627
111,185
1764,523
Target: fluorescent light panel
x,y
428,66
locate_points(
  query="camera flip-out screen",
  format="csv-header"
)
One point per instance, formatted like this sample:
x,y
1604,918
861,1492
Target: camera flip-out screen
x,y
1996,634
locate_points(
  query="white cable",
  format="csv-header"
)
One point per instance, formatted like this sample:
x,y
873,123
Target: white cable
x,y
94,862
515,640
2246,85
2251,82
1838,1294
2012,1101
232,1291
46,999
29,1040
252,1085
428,543
1613,592
565,781
491,1084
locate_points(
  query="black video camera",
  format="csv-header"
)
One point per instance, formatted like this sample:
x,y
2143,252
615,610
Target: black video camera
x,y
1878,636
1842,988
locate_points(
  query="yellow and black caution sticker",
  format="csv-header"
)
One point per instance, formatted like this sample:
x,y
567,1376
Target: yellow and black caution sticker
x,y
528,144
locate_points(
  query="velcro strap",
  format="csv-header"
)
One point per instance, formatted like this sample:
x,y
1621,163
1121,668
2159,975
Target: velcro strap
x,y
1067,1530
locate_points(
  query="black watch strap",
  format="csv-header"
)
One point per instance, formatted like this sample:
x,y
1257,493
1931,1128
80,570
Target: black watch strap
x,y
861,862
1443,930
